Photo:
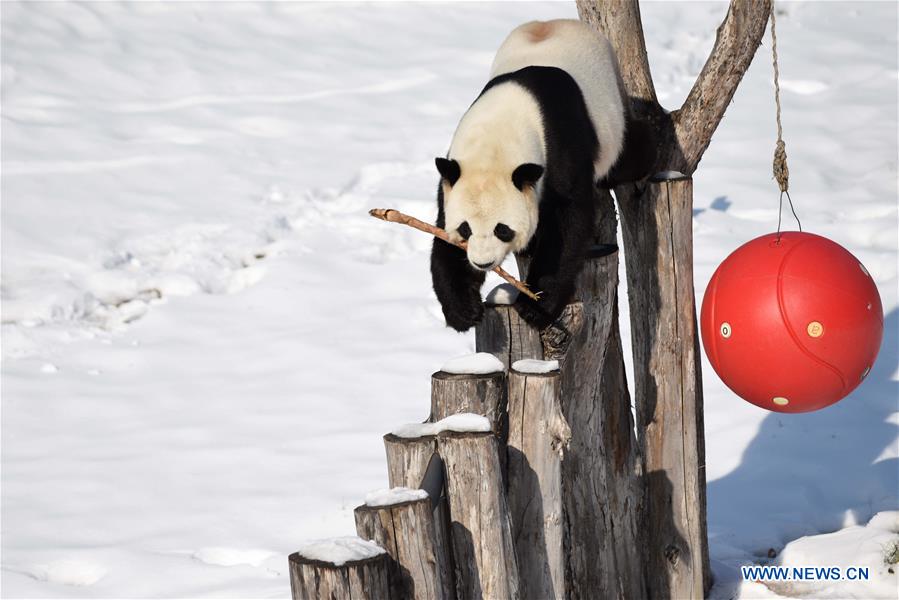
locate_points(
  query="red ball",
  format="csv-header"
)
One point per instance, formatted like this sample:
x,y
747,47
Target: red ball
x,y
792,326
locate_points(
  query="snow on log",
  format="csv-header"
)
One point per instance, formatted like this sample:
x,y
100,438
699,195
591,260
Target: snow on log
x,y
502,295
461,422
479,363
538,439
345,567
534,366
405,528
395,495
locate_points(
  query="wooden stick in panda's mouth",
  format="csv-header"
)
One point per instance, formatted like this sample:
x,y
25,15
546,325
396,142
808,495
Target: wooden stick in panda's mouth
x,y
395,216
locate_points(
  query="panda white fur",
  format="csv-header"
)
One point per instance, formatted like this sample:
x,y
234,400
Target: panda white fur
x,y
523,163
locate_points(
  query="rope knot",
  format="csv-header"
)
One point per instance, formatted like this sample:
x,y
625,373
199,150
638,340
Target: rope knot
x,y
781,172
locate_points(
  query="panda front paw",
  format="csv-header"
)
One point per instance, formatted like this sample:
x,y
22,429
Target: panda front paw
x,y
463,317
533,313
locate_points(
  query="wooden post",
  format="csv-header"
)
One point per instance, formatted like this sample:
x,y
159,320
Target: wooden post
x,y
506,335
600,486
367,579
659,251
483,552
407,462
656,221
407,459
538,439
406,530
464,393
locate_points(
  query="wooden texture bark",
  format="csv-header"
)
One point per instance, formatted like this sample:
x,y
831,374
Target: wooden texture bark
x,y
659,252
367,579
407,459
538,439
683,134
600,477
483,552
406,530
600,490
407,462
464,393
657,223
503,333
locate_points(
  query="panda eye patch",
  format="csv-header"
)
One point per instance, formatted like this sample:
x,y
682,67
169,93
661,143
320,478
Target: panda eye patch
x,y
504,232
464,230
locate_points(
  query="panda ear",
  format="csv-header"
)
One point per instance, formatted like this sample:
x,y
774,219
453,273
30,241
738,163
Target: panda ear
x,y
449,170
526,174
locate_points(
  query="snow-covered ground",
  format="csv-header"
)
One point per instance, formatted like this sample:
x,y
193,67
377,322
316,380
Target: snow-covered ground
x,y
205,336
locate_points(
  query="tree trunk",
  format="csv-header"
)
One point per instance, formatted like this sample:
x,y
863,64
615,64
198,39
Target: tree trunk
x,y
600,489
657,230
406,530
659,250
367,579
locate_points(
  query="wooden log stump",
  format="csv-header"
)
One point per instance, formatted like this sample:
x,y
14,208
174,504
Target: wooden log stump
x,y
464,393
483,552
408,459
366,579
658,237
406,530
506,335
407,462
538,439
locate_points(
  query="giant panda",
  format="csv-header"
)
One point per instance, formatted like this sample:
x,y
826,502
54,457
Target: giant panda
x,y
552,123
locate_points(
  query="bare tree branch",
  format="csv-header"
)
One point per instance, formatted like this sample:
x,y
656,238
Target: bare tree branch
x,y
738,38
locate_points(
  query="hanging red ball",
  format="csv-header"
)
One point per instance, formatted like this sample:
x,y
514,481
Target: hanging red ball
x,y
792,325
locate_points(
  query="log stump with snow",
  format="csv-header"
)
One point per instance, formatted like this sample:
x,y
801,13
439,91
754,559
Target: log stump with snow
x,y
502,332
347,567
401,520
472,384
480,530
538,438
410,450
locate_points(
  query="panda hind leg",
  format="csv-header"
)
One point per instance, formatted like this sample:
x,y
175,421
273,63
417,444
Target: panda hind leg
x,y
637,158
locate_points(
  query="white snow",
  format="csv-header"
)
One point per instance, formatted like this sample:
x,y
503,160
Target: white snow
x,y
397,495
503,294
229,557
667,175
340,550
479,363
534,366
185,239
860,546
462,422
72,572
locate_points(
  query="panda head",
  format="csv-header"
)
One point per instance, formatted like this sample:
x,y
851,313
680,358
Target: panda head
x,y
494,211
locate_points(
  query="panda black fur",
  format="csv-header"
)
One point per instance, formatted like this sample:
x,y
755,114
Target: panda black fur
x,y
523,165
